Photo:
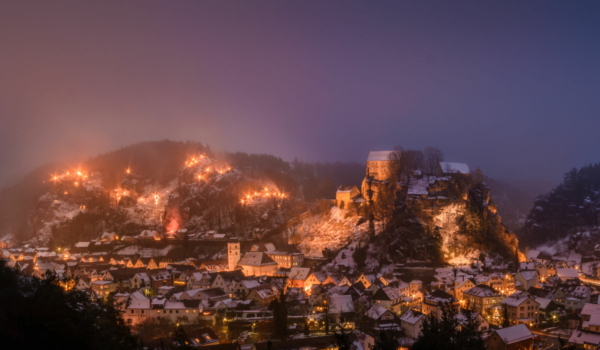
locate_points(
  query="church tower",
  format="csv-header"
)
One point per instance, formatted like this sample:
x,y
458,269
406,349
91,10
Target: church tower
x,y
233,254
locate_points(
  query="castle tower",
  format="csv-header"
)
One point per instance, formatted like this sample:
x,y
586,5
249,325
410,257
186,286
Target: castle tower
x,y
233,254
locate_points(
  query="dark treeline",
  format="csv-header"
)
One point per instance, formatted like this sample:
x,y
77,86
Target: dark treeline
x,y
574,203
311,180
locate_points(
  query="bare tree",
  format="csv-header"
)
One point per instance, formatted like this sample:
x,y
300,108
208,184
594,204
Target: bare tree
x,y
433,156
395,159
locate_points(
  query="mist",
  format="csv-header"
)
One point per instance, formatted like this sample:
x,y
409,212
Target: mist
x,y
511,89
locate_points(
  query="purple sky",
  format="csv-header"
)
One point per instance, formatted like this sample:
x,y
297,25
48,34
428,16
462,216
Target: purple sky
x,y
512,87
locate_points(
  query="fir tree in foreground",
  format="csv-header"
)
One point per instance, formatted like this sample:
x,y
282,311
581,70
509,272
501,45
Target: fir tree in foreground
x,y
39,314
452,332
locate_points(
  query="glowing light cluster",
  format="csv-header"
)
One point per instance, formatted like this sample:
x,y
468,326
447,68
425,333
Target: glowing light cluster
x,y
77,176
266,193
119,193
194,161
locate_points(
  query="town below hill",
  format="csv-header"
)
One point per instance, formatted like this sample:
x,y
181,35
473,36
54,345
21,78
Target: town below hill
x,y
245,251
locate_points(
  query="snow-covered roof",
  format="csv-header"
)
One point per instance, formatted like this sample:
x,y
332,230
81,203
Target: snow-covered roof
x,y
528,275
581,337
533,254
346,188
448,167
412,316
250,283
567,273
590,309
527,266
299,273
256,259
387,293
82,244
341,303
481,291
375,156
543,302
375,311
516,299
439,296
265,291
514,334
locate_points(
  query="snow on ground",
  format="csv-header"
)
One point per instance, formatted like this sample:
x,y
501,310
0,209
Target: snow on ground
x,y
418,186
344,257
148,209
334,230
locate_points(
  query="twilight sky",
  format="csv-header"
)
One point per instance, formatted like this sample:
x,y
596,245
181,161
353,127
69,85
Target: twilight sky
x,y
512,87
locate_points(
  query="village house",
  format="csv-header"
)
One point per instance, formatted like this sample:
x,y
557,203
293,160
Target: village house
x,y
501,282
379,318
567,274
462,286
435,302
263,295
348,196
150,235
296,276
587,336
510,338
365,341
243,287
159,278
103,288
141,280
341,306
481,298
366,279
412,322
315,278
286,256
257,264
228,281
199,280
527,278
388,297
109,237
521,308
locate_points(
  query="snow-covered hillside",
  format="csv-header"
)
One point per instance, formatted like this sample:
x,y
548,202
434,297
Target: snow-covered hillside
x,y
332,230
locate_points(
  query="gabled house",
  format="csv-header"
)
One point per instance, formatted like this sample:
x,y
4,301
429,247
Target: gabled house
x,y
460,287
515,337
263,295
257,264
435,302
379,318
521,308
388,297
527,278
366,279
315,278
412,323
482,298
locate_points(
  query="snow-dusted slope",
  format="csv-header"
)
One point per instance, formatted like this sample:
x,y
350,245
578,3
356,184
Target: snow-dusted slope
x,y
332,230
